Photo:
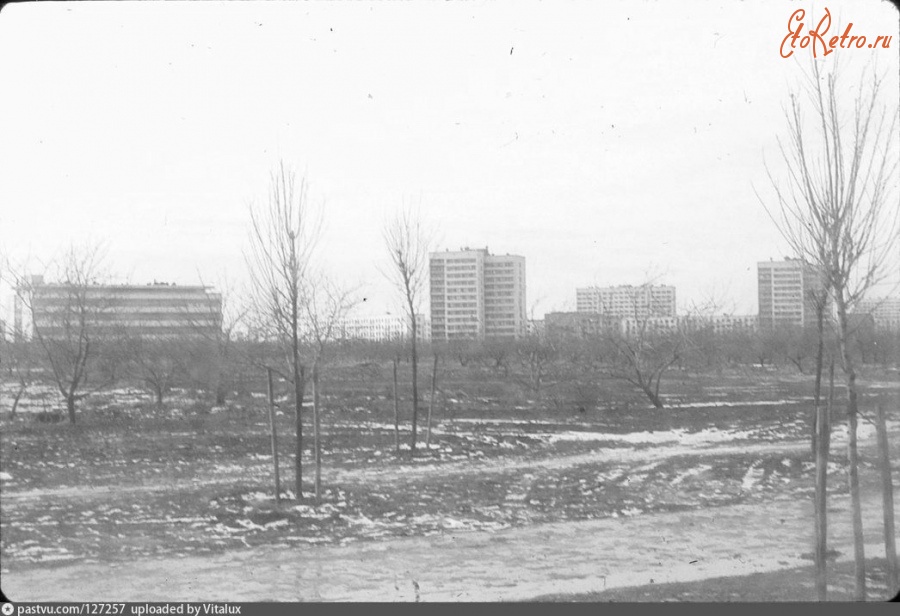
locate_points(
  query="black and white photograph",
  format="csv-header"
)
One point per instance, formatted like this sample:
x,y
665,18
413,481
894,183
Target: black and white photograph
x,y
457,302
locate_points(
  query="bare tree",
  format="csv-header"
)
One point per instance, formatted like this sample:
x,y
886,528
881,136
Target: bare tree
x,y
702,343
20,362
835,210
535,355
407,241
434,372
325,305
158,364
643,346
68,322
283,235
642,356
498,352
17,355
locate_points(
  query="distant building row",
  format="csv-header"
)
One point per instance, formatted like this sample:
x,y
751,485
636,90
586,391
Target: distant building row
x,y
473,295
589,324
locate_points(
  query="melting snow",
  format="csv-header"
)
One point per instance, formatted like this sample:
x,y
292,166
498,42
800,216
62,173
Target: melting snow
x,y
709,435
753,476
700,405
696,470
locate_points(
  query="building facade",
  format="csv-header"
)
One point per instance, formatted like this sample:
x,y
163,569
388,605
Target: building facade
x,y
885,312
721,323
579,325
582,325
153,310
786,291
381,328
476,295
626,301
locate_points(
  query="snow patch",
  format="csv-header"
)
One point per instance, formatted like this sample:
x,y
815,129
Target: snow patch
x,y
696,470
706,436
753,476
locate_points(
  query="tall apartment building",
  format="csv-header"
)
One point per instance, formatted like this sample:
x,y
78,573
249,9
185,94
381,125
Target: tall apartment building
x,y
885,312
475,294
786,289
383,327
157,310
626,301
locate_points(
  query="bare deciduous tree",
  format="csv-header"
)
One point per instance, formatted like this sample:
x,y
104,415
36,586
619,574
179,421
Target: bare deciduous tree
x,y
835,210
535,355
325,305
283,235
158,364
16,357
407,241
68,323
643,347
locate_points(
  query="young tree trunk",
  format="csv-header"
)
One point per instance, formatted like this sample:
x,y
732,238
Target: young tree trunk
x,y
274,434
654,398
822,442
15,403
70,407
220,392
859,547
431,402
396,412
820,361
415,386
299,373
887,487
852,452
317,444
274,431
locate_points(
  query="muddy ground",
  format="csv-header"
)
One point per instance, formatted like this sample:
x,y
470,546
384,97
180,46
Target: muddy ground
x,y
513,500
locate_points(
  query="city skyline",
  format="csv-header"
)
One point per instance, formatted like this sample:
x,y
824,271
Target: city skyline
x,y
608,145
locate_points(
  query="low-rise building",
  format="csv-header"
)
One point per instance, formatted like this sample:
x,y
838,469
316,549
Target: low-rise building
x,y
152,310
383,327
588,324
579,324
721,323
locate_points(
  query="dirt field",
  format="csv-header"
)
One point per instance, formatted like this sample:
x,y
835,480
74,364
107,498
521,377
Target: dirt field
x,y
512,501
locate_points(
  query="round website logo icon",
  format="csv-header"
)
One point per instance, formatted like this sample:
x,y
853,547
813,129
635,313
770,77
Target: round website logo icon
x,y
7,609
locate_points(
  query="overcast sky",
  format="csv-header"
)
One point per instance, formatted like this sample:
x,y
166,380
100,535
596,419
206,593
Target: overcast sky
x,y
607,142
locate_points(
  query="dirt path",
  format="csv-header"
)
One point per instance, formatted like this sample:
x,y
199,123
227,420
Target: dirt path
x,y
520,563
390,474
